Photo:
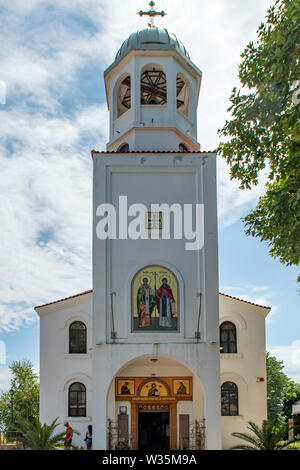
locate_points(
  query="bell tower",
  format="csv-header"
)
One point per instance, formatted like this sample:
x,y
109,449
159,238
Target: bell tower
x,y
155,273
152,91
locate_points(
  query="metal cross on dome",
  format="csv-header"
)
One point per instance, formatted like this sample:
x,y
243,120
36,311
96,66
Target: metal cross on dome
x,y
152,13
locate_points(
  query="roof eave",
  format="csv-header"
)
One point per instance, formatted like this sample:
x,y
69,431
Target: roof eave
x,y
264,309
150,47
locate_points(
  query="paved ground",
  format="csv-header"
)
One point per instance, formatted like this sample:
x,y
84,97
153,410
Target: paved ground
x,y
11,446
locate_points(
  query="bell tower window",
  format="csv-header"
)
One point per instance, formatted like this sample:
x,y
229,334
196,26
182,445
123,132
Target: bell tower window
x,y
183,148
124,148
183,94
124,96
153,87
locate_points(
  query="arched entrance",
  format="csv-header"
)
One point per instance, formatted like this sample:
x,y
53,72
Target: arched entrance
x,y
155,401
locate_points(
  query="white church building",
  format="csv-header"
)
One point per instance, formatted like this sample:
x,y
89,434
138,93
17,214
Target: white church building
x,y
154,357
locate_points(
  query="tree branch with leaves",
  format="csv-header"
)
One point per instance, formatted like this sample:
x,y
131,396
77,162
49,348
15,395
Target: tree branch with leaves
x,y
264,132
25,385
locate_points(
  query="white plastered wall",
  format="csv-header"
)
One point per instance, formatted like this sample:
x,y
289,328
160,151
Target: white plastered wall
x,y
58,368
246,368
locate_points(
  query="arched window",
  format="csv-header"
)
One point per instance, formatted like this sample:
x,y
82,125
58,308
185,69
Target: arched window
x,y
77,399
228,342
124,96
183,94
77,338
153,87
229,399
183,148
124,148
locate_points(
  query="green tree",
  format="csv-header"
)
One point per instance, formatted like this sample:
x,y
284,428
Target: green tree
x,y
267,437
25,385
37,436
264,132
279,388
289,400
291,396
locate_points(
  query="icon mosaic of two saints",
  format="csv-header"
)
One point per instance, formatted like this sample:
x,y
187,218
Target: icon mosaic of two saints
x,y
156,299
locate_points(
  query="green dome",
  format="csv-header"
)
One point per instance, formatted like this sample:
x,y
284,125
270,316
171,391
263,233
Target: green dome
x,y
151,39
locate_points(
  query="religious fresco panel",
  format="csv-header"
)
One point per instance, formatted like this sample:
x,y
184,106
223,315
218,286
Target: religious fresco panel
x,y
158,388
125,387
155,300
181,387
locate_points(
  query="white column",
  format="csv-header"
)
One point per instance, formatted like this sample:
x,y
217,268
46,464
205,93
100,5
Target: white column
x,y
136,91
101,384
171,89
99,419
212,408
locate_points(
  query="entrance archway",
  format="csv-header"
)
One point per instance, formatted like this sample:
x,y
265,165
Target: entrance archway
x,y
154,401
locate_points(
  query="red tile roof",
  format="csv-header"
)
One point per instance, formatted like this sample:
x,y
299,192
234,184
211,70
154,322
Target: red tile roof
x,y
90,291
246,301
93,152
66,298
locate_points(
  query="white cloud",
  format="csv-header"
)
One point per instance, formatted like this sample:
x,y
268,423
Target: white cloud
x,y
233,203
2,352
45,211
47,133
4,378
260,295
290,355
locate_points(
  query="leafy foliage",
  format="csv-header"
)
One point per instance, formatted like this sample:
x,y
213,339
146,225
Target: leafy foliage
x,y
266,437
291,396
37,436
279,389
25,385
264,132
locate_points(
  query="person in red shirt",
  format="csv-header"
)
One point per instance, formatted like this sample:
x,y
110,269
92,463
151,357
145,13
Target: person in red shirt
x,y
68,436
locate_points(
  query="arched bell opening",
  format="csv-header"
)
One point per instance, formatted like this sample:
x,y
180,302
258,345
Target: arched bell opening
x,y
153,85
122,96
183,95
183,148
124,148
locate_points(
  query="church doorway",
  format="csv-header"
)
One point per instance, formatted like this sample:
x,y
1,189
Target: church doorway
x,y
142,394
154,431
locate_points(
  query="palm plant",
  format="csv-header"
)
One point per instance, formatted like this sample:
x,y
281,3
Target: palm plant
x,y
266,437
38,436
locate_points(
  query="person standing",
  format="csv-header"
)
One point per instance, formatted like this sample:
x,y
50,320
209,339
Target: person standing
x,y
145,303
153,392
166,305
89,437
68,436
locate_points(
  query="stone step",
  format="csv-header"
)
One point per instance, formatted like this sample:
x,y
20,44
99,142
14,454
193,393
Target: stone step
x,y
11,446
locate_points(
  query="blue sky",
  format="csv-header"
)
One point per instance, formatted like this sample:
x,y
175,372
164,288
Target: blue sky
x,y
51,65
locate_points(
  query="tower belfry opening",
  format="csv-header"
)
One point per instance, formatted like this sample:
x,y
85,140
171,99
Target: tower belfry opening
x,y
152,90
124,96
153,87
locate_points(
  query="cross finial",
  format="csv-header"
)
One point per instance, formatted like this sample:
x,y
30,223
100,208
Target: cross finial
x,y
152,13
